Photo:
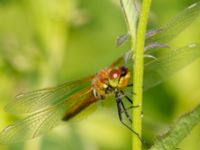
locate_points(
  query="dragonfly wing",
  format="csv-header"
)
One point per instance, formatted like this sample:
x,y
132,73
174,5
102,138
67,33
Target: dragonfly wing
x,y
119,62
42,121
32,126
176,25
36,100
162,68
78,103
171,29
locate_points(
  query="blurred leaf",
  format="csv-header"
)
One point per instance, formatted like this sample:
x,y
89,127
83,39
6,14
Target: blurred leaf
x,y
121,39
131,15
178,131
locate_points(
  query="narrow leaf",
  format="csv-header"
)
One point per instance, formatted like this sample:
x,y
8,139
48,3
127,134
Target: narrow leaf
x,y
178,131
122,39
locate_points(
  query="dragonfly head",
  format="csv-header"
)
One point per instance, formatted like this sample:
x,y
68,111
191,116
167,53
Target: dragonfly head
x,y
108,80
119,78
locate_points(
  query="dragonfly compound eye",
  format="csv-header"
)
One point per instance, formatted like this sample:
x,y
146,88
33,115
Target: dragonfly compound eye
x,y
124,78
124,70
114,76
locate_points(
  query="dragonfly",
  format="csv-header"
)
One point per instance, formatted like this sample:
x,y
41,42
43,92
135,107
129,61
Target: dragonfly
x,y
47,108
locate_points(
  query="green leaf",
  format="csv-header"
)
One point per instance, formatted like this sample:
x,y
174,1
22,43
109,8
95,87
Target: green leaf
x,y
178,131
131,16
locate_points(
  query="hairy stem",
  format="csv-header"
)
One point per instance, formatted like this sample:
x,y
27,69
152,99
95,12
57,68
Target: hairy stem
x,y
138,72
138,42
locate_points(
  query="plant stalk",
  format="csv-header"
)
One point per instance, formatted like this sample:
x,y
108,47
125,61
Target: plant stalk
x,y
138,73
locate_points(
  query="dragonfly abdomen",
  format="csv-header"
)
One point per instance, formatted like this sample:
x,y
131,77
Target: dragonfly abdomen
x,y
77,108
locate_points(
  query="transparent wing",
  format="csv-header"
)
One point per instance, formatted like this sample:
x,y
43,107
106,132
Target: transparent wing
x,y
168,64
32,126
36,100
176,25
171,29
42,121
119,62
158,70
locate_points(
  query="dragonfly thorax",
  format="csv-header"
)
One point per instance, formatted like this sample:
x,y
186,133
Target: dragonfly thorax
x,y
107,81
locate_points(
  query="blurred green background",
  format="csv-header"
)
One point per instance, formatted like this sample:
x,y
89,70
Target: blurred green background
x,y
48,42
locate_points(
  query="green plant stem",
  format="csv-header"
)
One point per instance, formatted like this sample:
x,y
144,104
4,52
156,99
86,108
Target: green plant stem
x,y
138,42
138,73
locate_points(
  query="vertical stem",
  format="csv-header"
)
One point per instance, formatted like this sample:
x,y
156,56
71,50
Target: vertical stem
x,y
138,73
138,41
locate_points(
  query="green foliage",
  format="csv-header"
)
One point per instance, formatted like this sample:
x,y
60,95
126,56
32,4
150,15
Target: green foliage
x,y
44,43
180,130
180,22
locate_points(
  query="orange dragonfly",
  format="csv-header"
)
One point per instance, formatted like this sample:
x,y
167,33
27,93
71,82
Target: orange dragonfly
x,y
47,108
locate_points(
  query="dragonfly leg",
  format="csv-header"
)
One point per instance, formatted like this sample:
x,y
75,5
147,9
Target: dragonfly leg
x,y
118,101
130,85
125,111
124,95
131,107
129,99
